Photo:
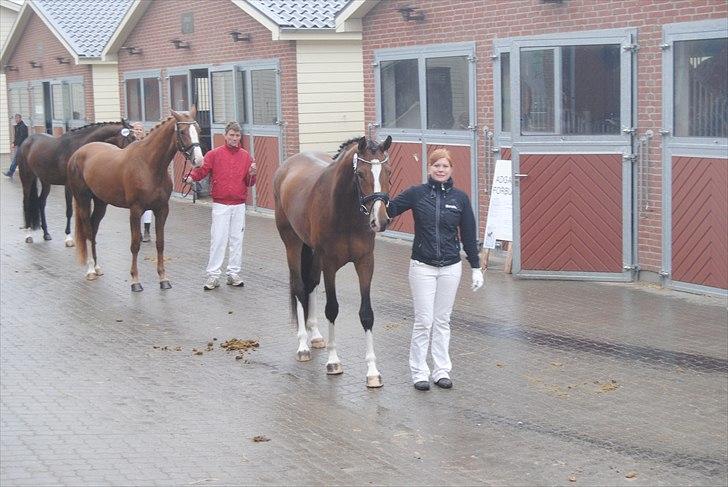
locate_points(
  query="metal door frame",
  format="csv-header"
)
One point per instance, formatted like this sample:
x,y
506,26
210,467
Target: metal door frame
x,y
577,144
682,146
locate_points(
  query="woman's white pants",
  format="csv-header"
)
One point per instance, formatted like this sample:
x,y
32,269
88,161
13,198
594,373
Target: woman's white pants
x,y
433,295
228,227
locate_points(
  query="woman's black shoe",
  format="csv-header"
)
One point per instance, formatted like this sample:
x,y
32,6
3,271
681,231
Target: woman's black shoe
x,y
445,383
422,385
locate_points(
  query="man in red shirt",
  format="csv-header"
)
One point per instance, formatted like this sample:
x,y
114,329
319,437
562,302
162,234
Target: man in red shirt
x,y
232,172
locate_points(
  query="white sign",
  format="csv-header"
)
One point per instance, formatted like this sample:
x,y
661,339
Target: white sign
x,y
499,225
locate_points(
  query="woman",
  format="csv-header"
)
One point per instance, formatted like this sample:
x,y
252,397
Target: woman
x,y
441,211
139,134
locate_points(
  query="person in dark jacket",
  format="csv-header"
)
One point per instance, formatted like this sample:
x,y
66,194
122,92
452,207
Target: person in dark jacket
x,y
21,133
441,212
232,173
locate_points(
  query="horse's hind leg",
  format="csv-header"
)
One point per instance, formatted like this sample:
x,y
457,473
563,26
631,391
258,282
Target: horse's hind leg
x,y
69,214
45,189
96,217
311,273
135,216
299,298
365,270
160,217
83,232
333,364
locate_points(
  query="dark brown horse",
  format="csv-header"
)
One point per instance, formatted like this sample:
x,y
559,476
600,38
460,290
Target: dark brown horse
x,y
43,157
136,178
327,213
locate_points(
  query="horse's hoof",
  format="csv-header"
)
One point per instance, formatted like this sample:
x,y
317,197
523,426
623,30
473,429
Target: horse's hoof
x,y
374,381
47,237
304,356
91,276
69,243
334,369
136,288
98,271
165,285
318,343
28,239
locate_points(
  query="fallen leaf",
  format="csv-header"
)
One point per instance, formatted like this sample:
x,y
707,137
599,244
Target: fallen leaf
x,y
572,478
631,474
260,439
199,352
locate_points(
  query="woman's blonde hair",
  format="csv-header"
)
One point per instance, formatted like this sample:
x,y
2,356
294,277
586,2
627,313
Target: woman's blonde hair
x,y
438,154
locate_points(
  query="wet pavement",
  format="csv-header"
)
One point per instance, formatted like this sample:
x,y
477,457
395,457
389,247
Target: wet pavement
x,y
556,383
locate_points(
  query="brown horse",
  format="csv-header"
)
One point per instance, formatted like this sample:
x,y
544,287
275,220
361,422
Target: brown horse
x,y
136,178
43,157
327,213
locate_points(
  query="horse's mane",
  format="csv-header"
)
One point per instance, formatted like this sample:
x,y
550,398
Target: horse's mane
x,y
159,124
344,146
95,125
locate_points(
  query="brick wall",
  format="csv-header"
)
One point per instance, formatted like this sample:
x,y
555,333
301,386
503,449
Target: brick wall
x,y
481,22
38,43
211,44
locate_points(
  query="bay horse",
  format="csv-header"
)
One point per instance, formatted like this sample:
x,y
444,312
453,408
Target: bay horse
x,y
135,177
327,212
44,157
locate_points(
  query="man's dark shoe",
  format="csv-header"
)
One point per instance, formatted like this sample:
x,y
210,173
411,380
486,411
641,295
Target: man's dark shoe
x,y
8,174
445,383
422,385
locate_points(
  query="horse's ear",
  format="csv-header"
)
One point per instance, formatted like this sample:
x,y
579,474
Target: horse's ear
x,y
387,142
174,114
193,111
362,145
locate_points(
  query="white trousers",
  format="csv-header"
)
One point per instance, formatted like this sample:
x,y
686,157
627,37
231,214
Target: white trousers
x,y
147,216
433,295
227,229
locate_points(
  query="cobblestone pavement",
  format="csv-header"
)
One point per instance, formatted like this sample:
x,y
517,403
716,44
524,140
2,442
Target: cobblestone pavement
x,y
558,383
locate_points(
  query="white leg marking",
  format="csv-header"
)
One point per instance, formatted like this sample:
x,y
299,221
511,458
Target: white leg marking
x,y
370,357
69,241
90,269
333,366
197,152
28,235
317,341
304,353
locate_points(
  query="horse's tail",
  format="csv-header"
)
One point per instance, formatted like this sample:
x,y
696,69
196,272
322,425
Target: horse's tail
x,y
79,232
31,198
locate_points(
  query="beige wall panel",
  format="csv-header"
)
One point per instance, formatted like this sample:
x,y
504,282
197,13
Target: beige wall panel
x,y
332,127
333,107
342,96
318,118
107,106
329,76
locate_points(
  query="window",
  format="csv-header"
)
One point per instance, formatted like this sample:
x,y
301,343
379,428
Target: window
x,y
505,89
558,87
151,99
446,101
265,99
18,102
447,93
400,94
701,88
178,93
78,106
223,99
133,99
142,98
57,95
242,104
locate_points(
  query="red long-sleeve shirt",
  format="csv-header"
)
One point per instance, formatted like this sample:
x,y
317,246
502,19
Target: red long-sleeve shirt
x,y
230,178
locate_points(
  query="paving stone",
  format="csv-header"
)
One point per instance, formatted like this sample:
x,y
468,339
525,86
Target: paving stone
x,y
552,379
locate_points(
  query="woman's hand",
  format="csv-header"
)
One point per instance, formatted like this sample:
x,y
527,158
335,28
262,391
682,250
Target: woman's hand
x,y
253,169
478,279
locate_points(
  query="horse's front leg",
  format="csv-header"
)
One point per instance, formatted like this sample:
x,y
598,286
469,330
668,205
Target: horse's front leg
x,y
160,217
69,214
333,364
45,189
135,216
365,270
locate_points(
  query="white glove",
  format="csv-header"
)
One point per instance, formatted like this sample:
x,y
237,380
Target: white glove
x,y
477,279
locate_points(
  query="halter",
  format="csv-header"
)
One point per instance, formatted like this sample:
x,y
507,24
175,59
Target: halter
x,y
378,196
186,150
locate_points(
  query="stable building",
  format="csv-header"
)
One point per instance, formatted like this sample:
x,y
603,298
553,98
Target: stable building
x,y
57,77
286,71
8,13
614,115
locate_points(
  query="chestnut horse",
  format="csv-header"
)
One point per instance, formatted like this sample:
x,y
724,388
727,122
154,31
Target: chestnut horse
x,y
136,178
44,157
327,213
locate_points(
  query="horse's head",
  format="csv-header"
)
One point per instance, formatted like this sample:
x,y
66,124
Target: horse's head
x,y
371,173
188,135
121,134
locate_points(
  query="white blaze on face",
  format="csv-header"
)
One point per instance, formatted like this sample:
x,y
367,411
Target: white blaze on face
x,y
195,139
376,173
